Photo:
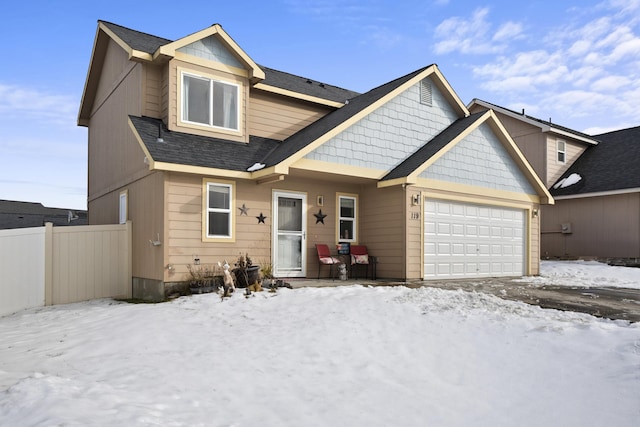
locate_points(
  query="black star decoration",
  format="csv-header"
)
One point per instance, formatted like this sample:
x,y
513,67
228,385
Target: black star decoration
x,y
261,218
244,210
320,216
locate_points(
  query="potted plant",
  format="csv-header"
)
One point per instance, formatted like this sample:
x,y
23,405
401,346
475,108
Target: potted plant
x,y
266,274
204,279
245,271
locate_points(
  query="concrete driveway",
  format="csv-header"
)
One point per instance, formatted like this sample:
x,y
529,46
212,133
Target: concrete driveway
x,y
606,302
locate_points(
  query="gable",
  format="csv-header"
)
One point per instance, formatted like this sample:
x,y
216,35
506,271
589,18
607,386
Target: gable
x,y
210,48
390,133
480,160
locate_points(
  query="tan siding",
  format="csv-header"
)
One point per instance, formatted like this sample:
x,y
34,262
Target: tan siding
x,y
146,212
152,91
116,65
555,168
384,230
165,93
184,222
605,227
114,155
534,246
278,117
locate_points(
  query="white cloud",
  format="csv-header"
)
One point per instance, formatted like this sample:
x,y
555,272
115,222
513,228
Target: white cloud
x,y
17,101
473,36
510,30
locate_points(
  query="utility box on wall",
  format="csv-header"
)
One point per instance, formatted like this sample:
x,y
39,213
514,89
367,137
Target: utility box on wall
x,y
566,228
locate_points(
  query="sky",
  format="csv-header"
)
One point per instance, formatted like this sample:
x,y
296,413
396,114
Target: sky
x,y
575,62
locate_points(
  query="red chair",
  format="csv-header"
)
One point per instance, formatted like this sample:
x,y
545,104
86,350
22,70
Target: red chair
x,y
360,256
325,258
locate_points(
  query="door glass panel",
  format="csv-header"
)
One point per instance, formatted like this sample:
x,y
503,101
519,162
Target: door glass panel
x,y
289,252
289,214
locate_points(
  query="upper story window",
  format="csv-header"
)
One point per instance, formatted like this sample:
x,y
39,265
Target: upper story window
x,y
210,102
218,210
347,216
561,148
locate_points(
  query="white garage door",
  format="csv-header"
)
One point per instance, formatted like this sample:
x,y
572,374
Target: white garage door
x,y
466,240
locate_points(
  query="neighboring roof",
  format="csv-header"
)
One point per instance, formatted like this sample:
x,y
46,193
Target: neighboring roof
x,y
544,125
613,165
309,134
200,151
424,153
17,214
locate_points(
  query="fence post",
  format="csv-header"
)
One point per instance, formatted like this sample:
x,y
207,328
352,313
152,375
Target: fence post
x,y
129,259
48,263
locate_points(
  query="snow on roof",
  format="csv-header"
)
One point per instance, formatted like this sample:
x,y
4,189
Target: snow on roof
x,y
566,182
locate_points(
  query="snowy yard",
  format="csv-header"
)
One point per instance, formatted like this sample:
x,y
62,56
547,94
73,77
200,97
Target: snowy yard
x,y
347,356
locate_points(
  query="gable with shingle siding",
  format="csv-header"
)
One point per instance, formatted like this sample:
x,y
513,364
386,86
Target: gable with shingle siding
x,y
385,137
480,160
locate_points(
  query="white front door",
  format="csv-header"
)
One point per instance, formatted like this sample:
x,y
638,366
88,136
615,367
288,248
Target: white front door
x,y
289,234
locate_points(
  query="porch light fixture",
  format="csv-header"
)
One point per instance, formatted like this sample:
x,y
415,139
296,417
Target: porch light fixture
x,y
534,213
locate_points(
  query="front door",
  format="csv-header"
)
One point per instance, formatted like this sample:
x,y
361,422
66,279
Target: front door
x,y
289,234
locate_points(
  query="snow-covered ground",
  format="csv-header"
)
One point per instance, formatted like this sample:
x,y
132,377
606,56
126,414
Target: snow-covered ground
x,y
346,356
585,274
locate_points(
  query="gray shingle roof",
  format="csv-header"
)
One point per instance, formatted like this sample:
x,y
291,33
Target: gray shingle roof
x,y
149,44
194,150
306,86
430,148
304,137
543,122
613,164
17,214
137,40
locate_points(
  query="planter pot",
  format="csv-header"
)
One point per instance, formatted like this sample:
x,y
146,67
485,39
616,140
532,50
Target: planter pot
x,y
247,277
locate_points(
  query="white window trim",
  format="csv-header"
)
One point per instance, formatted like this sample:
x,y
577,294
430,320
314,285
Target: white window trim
x,y
563,151
123,207
353,197
205,211
211,79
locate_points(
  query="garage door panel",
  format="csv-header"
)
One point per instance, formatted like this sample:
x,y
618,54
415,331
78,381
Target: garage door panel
x,y
466,240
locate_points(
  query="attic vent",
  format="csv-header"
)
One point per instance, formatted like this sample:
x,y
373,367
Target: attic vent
x,y
426,94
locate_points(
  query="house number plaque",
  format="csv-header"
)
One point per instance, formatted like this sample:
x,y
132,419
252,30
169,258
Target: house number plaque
x,y
415,215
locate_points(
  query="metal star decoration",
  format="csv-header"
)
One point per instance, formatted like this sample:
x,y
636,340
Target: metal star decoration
x,y
261,218
320,216
244,210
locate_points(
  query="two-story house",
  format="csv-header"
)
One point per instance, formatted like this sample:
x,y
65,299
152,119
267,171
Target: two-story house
x,y
211,155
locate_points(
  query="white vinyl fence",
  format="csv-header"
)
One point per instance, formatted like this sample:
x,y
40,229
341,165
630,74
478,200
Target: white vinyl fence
x,y
46,265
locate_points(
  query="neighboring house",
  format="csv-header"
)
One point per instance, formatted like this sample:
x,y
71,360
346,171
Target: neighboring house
x,y
16,214
598,201
211,155
549,147
595,181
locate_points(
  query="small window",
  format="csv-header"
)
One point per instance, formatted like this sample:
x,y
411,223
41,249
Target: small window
x,y
426,92
122,210
210,102
562,151
347,206
219,200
